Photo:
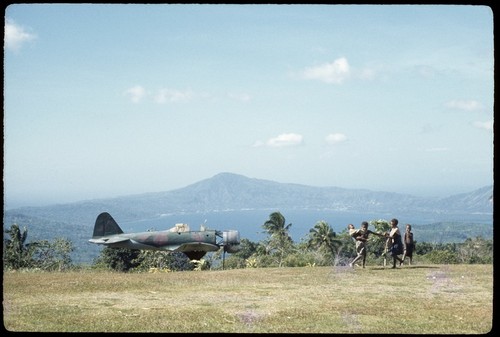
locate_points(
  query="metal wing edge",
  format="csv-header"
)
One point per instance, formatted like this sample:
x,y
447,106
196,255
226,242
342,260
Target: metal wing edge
x,y
109,240
196,247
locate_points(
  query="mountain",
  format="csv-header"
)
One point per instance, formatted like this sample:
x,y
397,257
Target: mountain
x,y
480,200
230,193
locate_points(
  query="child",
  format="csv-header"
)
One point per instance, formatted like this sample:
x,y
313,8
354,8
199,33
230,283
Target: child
x,y
409,244
361,237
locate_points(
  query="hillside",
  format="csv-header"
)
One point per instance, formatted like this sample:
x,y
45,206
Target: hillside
x,y
228,193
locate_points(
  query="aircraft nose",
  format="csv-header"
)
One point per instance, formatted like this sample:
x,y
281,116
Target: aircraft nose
x,y
231,241
231,238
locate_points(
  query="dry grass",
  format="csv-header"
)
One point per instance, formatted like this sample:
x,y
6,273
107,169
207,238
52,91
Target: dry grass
x,y
456,299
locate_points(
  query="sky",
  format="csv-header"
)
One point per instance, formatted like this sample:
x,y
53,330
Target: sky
x,y
103,101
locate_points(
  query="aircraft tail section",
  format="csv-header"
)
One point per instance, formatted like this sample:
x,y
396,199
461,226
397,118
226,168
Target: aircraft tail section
x,y
105,225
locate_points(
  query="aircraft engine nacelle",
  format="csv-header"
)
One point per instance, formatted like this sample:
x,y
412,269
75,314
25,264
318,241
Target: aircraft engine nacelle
x,y
231,241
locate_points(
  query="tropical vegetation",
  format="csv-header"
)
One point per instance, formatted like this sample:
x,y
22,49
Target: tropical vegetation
x,y
45,255
322,247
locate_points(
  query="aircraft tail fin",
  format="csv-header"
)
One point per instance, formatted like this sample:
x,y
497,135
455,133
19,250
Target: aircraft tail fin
x,y
105,225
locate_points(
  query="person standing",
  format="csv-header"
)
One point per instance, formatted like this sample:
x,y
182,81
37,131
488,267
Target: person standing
x,y
355,233
361,237
409,244
396,243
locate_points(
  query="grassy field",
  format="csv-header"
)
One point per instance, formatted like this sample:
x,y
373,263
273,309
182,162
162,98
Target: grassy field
x,y
420,299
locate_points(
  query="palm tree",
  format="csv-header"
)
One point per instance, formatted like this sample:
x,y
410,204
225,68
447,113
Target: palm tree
x,y
322,235
280,241
16,253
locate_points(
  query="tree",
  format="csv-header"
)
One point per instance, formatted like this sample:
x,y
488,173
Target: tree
x,y
125,260
279,243
16,254
52,255
475,250
119,259
43,254
442,257
162,260
322,236
238,259
381,246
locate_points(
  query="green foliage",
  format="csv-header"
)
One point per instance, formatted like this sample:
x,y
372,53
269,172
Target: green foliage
x,y
378,245
381,225
44,255
475,250
118,259
54,255
348,246
442,257
323,237
321,247
263,261
279,242
423,248
235,260
300,258
247,249
219,260
152,259
162,260
232,261
125,260
16,254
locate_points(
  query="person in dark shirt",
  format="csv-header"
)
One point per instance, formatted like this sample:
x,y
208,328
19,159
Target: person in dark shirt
x,y
409,244
396,243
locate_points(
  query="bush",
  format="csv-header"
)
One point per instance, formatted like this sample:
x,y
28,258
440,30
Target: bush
x,y
442,257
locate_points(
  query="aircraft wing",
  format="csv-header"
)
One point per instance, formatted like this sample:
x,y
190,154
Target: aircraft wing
x,y
196,246
109,240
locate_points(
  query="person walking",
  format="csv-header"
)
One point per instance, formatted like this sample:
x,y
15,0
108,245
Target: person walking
x,y
396,243
361,236
409,244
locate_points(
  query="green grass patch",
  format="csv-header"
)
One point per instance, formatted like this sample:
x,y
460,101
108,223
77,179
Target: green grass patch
x,y
420,299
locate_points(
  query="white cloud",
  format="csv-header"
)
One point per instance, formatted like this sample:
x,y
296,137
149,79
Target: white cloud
x,y
15,36
136,93
470,105
484,125
335,138
334,72
169,95
285,139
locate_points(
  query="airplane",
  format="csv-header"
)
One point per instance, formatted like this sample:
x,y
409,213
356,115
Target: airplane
x,y
194,244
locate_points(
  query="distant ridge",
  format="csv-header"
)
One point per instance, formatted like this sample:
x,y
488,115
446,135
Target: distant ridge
x,y
229,193
232,192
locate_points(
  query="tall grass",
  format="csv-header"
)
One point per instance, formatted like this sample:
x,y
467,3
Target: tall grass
x,y
423,299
